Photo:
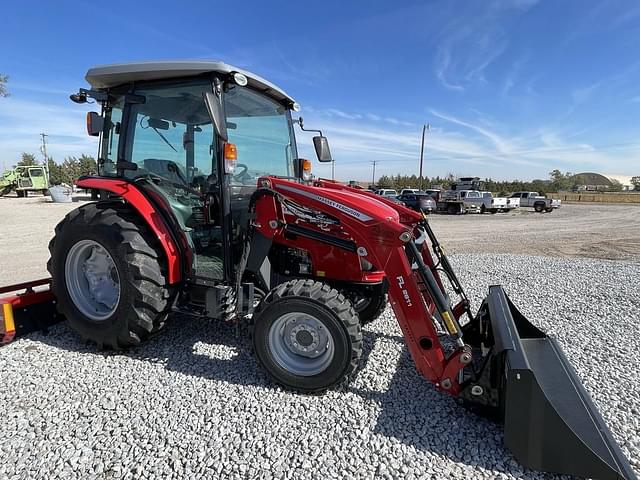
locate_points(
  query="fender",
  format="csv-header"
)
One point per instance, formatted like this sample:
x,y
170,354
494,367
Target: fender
x,y
149,213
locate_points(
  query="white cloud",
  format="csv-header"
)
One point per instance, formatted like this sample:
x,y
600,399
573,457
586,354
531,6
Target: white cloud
x,y
443,61
502,145
582,95
470,44
462,146
22,121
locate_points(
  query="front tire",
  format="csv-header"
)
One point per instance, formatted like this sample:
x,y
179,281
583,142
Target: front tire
x,y
306,336
108,276
538,207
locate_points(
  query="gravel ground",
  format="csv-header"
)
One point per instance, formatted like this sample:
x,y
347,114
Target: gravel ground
x,y
192,402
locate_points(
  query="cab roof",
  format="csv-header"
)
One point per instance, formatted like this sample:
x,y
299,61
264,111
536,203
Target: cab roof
x,y
108,76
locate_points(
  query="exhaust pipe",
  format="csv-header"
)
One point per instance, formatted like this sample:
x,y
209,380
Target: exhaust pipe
x,y
550,421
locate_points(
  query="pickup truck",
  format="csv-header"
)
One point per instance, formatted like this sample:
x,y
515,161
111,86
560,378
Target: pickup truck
x,y
459,201
387,192
492,204
535,200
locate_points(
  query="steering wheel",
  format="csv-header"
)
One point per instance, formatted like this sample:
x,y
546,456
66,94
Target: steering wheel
x,y
242,175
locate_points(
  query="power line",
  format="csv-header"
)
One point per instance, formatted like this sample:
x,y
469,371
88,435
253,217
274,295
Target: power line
x,y
373,177
424,130
43,147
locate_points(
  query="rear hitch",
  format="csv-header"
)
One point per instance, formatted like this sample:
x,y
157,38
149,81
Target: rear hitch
x,y
23,312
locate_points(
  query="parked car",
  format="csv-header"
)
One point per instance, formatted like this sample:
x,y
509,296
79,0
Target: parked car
x,y
537,201
407,191
420,201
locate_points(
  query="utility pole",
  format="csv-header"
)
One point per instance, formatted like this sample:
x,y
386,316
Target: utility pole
x,y
424,130
373,177
43,147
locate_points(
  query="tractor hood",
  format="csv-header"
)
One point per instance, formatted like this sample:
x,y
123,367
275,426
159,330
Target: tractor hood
x,y
340,202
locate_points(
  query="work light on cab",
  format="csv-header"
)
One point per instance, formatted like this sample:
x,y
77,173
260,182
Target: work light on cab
x,y
230,157
306,169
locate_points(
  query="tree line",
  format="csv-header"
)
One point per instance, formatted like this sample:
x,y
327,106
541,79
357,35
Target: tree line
x,y
73,167
66,172
557,182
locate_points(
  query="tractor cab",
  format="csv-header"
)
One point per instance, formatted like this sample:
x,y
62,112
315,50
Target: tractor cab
x,y
197,135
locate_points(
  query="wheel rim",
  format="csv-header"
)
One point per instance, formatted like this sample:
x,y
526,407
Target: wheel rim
x,y
92,280
301,344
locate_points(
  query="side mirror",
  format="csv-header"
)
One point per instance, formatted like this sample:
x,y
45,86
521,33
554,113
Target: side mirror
x,y
95,124
217,115
321,145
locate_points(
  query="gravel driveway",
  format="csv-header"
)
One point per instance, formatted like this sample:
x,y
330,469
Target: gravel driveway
x,y
192,402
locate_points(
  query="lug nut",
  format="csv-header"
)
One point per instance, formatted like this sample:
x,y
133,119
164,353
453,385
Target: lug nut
x,y
446,384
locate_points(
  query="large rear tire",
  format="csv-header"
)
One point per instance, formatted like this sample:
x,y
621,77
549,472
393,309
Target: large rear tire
x,y
538,207
306,335
108,276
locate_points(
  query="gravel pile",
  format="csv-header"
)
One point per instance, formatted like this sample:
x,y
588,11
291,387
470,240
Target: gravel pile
x,y
192,402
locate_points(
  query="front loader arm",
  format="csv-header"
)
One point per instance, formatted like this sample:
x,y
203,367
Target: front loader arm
x,y
416,295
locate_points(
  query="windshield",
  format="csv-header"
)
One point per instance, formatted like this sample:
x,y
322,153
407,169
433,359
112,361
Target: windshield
x,y
261,129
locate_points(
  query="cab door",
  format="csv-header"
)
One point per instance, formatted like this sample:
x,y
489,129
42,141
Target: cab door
x,y
171,140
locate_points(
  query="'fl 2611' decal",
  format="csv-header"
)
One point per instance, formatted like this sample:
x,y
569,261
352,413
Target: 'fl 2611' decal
x,y
405,293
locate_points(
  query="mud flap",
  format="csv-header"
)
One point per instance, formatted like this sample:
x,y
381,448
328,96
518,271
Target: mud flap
x,y
550,421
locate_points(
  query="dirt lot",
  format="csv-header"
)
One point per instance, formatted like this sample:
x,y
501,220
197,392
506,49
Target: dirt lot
x,y
575,230
597,231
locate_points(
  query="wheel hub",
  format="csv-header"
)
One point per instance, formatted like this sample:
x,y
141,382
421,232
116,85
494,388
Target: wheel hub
x,y
303,339
92,280
301,344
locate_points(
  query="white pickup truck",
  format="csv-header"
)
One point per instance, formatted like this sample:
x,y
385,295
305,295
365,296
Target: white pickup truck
x,y
496,204
535,200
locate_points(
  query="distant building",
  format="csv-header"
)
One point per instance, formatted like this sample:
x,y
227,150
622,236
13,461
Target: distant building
x,y
590,182
625,181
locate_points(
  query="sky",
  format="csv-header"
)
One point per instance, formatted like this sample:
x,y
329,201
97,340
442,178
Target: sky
x,y
512,89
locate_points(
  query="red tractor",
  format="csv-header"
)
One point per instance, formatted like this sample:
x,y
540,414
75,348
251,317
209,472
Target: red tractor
x,y
204,207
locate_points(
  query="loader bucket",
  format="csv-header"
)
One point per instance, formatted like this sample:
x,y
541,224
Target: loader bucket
x,y
550,422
